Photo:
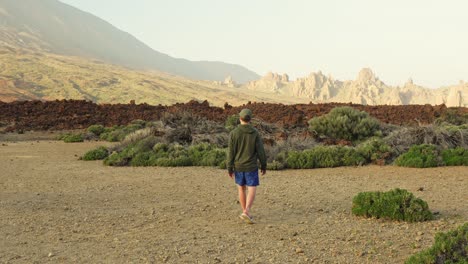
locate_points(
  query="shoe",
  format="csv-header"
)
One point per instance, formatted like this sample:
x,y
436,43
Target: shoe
x,y
246,218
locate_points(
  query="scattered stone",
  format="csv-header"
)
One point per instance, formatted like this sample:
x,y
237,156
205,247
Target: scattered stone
x,y
420,233
299,250
418,238
50,254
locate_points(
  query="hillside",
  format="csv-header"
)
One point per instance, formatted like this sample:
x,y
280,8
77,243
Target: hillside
x,y
30,75
366,89
58,28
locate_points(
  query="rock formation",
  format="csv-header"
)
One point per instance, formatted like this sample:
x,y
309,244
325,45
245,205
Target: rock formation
x,y
366,89
229,82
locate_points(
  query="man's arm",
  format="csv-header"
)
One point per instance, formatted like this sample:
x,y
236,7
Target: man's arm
x,y
230,155
261,154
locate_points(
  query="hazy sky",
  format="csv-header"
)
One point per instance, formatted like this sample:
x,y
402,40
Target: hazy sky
x,y
426,40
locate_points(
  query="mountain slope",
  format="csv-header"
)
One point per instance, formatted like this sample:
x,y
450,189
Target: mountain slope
x,y
367,89
56,27
30,75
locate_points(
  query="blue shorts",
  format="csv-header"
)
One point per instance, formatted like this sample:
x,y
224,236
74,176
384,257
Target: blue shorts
x,y
247,178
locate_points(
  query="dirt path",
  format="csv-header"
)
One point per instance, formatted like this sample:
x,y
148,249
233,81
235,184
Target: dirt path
x,y
55,208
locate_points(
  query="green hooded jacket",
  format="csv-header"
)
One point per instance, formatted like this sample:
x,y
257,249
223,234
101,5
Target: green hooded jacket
x,y
245,148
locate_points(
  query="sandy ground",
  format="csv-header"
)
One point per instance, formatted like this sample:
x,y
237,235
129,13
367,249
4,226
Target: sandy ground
x,y
55,208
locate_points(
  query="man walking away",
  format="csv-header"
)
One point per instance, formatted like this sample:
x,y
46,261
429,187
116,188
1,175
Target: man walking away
x,y
245,148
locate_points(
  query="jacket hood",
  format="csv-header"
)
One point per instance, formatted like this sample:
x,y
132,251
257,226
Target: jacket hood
x,y
247,129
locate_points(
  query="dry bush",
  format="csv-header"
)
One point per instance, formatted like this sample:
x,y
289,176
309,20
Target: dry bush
x,y
265,128
196,123
132,138
178,118
137,135
219,139
182,135
443,137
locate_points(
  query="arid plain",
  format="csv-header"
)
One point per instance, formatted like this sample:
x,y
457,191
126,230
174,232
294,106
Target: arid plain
x,y
56,208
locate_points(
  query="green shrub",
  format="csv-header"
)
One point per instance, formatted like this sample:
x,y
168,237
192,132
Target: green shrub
x,y
351,157
160,147
324,157
300,160
173,162
141,159
173,155
99,153
223,165
345,123
455,157
232,122
148,152
207,155
450,247
419,156
96,129
327,157
112,135
118,159
71,138
275,165
374,150
397,204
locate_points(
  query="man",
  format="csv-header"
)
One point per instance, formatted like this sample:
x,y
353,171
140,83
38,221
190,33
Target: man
x,y
245,147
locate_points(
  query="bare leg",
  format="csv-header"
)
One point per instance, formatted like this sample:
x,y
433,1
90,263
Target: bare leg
x,y
242,196
250,199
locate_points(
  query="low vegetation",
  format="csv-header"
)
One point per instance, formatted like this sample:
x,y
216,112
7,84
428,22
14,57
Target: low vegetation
x,y
96,129
402,139
397,204
358,140
151,152
345,123
452,117
232,122
324,157
116,133
71,138
99,153
372,151
450,247
419,156
455,157
426,156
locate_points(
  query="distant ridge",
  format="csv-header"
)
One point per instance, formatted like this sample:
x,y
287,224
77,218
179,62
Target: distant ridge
x,y
366,89
55,27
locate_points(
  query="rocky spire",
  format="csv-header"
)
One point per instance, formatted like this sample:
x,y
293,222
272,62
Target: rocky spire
x,y
366,75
